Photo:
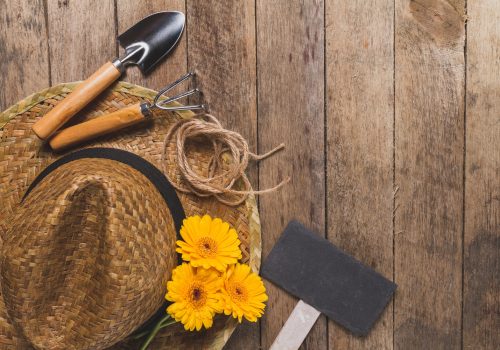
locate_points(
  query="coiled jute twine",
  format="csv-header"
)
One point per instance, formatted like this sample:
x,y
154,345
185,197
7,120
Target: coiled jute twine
x,y
223,176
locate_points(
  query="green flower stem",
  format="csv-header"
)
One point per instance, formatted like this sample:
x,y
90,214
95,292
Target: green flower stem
x,y
164,322
140,335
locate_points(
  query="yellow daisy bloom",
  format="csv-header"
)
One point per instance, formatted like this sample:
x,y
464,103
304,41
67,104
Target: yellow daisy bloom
x,y
208,243
196,297
244,293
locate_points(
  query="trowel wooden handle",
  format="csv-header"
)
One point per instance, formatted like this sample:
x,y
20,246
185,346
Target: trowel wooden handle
x,y
96,127
76,100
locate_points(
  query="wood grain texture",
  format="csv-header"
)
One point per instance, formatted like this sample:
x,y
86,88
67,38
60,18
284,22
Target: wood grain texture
x,y
481,314
429,142
359,53
23,50
290,58
221,42
81,37
174,65
262,66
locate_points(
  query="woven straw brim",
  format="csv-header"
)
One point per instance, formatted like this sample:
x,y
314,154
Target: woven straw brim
x,y
23,156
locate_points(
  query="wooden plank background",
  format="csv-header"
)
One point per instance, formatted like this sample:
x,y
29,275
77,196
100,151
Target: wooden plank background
x,y
390,110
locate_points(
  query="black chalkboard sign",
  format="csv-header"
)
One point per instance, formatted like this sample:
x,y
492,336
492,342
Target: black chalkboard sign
x,y
314,270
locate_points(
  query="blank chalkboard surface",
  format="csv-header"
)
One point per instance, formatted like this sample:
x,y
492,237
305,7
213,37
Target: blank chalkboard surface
x,y
333,282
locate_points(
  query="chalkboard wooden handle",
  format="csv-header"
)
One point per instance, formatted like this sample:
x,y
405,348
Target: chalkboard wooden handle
x,y
296,328
76,100
96,127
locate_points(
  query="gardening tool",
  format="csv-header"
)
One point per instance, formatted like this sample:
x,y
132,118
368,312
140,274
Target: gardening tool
x,y
124,117
328,281
145,44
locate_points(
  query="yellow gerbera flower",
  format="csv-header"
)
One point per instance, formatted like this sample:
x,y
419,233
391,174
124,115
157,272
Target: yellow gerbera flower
x,y
208,243
196,297
244,293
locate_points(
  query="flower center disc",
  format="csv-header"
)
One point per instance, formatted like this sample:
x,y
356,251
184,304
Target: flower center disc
x,y
197,295
239,292
207,247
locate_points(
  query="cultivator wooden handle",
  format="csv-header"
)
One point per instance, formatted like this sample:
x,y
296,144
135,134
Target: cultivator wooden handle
x,y
96,127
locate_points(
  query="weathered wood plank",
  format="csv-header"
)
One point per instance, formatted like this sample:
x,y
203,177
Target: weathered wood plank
x,y
290,57
482,173
131,11
221,42
82,37
222,51
24,67
429,143
360,72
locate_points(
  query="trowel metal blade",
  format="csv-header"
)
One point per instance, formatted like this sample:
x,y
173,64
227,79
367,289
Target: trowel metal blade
x,y
155,36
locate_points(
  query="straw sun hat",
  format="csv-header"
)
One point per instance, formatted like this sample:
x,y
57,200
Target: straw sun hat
x,y
87,238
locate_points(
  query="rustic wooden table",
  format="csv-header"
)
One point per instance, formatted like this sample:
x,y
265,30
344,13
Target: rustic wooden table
x,y
390,110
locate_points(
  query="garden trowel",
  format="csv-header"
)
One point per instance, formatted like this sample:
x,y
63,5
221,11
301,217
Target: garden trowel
x,y
145,44
326,280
